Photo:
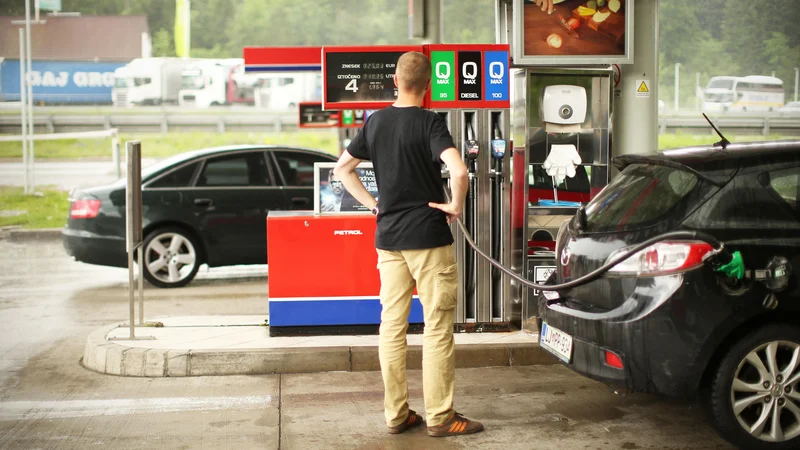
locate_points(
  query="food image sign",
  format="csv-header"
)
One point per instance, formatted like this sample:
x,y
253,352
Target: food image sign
x,y
576,32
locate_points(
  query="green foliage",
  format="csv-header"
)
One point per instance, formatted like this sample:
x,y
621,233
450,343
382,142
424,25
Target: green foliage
x,y
708,37
163,43
727,37
47,209
159,145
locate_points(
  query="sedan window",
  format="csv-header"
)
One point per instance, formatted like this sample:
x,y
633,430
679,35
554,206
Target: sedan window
x,y
298,168
178,178
248,169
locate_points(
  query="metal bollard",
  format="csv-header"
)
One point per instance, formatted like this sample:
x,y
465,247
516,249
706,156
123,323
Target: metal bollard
x,y
115,153
133,232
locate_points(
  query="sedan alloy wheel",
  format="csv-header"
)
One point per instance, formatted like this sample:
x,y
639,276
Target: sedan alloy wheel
x,y
170,258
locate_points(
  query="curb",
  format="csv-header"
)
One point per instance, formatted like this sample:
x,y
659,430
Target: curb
x,y
39,234
107,357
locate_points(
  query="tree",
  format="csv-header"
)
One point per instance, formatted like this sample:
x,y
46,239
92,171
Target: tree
x,y
163,43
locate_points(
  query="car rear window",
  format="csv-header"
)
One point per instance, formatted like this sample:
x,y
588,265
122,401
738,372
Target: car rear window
x,y
178,178
786,183
640,196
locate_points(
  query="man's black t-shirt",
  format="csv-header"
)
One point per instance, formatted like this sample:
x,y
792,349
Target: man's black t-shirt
x,y
404,145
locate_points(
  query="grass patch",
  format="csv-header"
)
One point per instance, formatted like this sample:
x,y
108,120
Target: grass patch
x,y
47,209
159,145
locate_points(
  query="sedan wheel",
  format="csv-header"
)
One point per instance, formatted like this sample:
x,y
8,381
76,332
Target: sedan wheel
x,y
760,407
170,258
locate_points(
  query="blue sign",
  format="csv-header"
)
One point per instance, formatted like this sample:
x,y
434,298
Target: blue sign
x,y
56,82
495,81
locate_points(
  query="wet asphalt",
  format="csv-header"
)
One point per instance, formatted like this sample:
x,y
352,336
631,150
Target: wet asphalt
x,y
49,304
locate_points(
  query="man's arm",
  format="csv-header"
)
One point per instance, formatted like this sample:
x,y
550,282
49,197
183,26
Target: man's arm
x,y
459,178
346,171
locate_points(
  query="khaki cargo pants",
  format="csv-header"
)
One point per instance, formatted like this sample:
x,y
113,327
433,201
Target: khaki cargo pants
x,y
434,273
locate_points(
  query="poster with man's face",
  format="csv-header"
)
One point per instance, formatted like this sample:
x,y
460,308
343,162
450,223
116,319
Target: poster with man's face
x,y
333,197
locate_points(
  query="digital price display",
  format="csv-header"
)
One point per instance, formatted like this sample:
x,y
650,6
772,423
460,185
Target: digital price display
x,y
360,77
313,116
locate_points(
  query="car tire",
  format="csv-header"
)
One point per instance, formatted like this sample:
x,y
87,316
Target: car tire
x,y
171,257
762,393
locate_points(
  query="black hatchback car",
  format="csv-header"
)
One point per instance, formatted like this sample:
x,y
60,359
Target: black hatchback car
x,y
664,321
203,207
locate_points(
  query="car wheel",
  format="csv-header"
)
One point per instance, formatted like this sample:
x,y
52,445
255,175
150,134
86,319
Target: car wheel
x,y
754,398
170,257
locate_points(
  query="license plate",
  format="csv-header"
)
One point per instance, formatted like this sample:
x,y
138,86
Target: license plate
x,y
556,342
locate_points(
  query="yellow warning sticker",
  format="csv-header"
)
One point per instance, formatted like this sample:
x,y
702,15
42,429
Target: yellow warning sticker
x,y
643,88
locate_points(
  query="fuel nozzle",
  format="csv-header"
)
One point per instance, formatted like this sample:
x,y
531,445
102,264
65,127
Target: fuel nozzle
x,y
498,143
471,144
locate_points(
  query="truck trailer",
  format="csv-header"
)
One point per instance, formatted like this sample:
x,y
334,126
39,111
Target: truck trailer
x,y
61,82
149,81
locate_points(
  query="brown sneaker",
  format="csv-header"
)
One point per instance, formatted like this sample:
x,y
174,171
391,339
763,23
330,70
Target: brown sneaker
x,y
412,420
456,426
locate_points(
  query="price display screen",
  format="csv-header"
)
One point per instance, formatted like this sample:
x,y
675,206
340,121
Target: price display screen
x,y
359,79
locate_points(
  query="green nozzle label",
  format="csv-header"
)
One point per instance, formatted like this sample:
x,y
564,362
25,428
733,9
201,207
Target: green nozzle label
x,y
443,76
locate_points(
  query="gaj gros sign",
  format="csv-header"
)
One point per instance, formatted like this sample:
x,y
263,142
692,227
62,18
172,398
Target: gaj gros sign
x,y
62,81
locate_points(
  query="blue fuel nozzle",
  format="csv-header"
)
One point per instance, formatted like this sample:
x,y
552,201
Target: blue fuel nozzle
x,y
498,148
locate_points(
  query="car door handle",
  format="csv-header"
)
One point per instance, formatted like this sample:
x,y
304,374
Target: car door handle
x,y
298,201
203,201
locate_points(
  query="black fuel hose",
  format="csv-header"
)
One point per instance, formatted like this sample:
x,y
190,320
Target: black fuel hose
x,y
597,273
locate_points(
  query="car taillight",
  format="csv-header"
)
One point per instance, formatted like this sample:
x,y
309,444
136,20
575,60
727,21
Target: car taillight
x,y
663,258
613,360
84,209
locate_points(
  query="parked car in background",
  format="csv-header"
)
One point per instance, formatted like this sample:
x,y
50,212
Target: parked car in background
x,y
203,207
791,107
663,321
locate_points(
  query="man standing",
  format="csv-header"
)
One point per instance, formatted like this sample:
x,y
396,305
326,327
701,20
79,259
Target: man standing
x,y
407,145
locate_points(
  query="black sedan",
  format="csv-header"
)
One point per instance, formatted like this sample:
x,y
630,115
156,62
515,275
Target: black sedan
x,y
666,320
203,207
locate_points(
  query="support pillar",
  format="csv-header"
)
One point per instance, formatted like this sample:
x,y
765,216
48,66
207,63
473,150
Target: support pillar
x,y
635,119
433,22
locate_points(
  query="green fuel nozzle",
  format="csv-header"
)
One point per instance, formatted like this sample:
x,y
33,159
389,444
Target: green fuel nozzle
x,y
733,268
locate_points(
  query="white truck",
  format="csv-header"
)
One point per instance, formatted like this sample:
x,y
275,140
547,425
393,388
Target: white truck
x,y
149,81
207,83
286,90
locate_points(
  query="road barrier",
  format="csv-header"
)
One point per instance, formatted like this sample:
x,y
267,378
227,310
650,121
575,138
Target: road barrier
x,y
50,119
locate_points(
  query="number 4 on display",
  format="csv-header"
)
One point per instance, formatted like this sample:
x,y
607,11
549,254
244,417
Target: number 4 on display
x,y
352,85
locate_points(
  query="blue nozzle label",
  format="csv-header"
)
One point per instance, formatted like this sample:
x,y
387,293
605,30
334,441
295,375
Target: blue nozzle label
x,y
498,148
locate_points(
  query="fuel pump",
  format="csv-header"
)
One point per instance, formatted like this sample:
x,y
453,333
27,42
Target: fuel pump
x,y
471,152
498,145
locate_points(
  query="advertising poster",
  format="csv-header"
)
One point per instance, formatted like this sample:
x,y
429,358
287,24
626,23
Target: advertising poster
x,y
332,197
594,28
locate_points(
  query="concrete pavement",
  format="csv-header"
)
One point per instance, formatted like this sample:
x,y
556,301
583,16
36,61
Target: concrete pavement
x,y
241,345
49,305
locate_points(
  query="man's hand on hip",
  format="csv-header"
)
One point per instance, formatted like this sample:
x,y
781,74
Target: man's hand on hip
x,y
452,211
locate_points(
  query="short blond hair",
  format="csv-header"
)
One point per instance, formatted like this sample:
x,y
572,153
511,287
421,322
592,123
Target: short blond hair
x,y
413,72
